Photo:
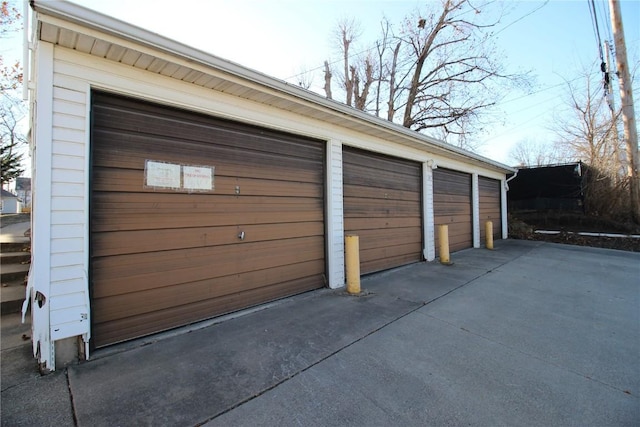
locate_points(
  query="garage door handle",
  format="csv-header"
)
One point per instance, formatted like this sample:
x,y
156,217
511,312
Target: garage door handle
x,y
241,235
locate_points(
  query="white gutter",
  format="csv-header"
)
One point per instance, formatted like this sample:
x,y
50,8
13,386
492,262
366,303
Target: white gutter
x,y
506,183
95,20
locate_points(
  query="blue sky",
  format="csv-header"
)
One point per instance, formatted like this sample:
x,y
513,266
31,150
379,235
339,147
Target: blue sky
x,y
282,37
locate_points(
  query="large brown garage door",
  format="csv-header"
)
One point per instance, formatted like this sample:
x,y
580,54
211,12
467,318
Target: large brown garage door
x,y
452,206
193,217
489,192
382,205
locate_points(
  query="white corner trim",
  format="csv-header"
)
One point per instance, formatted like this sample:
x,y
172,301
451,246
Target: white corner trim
x,y
428,216
41,214
475,209
503,208
335,215
86,337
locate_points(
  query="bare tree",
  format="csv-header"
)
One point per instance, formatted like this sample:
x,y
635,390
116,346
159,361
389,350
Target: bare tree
x,y
305,78
367,79
381,49
10,140
347,32
456,68
10,73
391,112
531,152
439,72
12,108
588,132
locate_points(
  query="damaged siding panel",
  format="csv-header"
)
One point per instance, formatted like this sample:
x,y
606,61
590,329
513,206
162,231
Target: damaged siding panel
x,y
39,276
69,310
64,330
67,315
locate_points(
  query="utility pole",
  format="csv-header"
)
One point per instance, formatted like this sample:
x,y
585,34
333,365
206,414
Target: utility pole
x,y
608,77
628,114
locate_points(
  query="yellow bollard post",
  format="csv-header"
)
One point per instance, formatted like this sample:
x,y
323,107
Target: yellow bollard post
x,y
352,260
443,237
488,230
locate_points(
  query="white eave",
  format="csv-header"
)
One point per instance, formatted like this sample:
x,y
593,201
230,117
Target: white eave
x,y
75,27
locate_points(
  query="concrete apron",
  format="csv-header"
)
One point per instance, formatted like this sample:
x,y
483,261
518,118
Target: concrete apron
x,y
528,334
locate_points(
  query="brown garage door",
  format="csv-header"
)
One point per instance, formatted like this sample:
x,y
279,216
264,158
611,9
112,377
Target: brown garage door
x,y
163,257
489,192
382,205
452,206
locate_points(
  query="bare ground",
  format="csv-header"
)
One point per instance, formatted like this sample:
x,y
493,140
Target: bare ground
x,y
523,224
9,219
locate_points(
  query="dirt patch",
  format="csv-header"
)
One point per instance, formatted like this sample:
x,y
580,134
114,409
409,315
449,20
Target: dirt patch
x,y
523,226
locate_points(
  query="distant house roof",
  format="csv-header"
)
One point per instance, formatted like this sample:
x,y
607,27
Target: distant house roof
x,y
7,194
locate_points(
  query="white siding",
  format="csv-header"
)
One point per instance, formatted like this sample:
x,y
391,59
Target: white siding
x,y
335,216
429,251
503,208
69,201
475,209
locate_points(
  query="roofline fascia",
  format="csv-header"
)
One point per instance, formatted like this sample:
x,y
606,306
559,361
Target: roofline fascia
x,y
95,20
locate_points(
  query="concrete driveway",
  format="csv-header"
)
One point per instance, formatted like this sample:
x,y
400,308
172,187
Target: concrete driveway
x,y
529,334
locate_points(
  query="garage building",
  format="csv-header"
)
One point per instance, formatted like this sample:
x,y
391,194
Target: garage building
x,y
172,186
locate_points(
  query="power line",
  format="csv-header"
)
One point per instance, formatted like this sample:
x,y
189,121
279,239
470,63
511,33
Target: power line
x,y
524,125
607,18
521,18
596,28
544,89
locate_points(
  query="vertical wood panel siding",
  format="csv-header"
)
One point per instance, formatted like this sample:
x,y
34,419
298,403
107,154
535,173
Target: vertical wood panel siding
x,y
162,258
382,205
452,206
489,190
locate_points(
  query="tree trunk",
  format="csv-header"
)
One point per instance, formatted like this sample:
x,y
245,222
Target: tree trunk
x,y
348,82
327,80
422,56
360,98
391,112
